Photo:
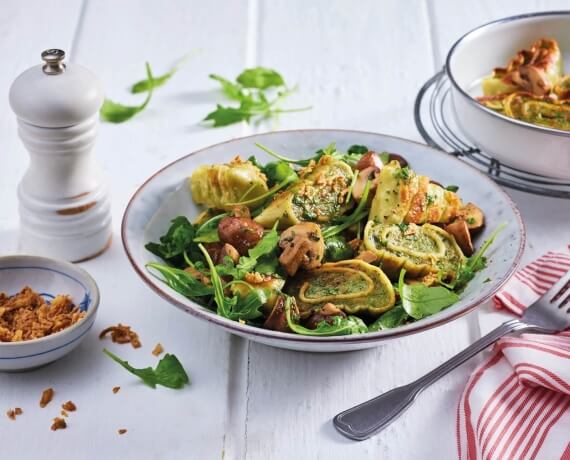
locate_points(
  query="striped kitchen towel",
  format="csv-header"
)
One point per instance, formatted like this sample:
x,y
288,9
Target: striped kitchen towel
x,y
516,404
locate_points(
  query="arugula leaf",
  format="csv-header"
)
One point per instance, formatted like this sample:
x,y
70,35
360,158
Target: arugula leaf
x,y
260,78
249,91
419,300
168,373
357,149
390,319
181,281
230,89
143,86
208,231
452,188
175,242
338,325
359,213
118,113
235,308
279,171
266,247
475,263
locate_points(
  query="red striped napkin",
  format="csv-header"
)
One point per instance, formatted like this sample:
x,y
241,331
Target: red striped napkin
x,y
516,405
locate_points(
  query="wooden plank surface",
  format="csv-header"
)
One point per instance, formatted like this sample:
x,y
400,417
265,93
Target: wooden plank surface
x,y
360,64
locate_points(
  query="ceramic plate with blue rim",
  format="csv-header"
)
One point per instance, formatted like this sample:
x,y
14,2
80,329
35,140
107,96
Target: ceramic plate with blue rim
x,y
49,277
166,195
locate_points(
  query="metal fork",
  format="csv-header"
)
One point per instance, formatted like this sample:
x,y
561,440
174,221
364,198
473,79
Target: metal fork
x,y
549,314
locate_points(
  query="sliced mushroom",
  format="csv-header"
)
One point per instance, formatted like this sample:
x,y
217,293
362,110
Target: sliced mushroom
x,y
369,160
473,216
242,233
228,251
532,79
326,313
303,246
460,232
277,320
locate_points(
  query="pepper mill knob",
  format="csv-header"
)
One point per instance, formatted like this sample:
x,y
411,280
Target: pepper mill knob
x,y
53,59
64,207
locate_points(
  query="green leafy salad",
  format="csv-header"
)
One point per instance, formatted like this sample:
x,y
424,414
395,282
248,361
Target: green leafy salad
x,y
335,244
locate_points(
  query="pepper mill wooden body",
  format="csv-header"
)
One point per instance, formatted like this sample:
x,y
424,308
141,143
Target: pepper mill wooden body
x,y
64,207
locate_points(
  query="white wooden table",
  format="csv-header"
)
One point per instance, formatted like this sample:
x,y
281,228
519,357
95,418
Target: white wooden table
x,y
360,65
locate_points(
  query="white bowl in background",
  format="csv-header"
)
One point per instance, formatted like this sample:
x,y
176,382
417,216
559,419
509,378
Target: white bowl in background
x,y
521,145
49,277
166,195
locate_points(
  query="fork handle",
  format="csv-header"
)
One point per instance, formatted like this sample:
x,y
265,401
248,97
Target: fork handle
x,y
366,419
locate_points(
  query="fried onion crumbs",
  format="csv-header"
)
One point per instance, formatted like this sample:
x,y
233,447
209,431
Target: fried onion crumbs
x,y
121,334
116,389
122,430
63,413
69,406
47,396
27,316
58,424
158,349
12,413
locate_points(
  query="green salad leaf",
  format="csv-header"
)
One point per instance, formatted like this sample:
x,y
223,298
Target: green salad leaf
x,y
251,91
419,300
388,320
475,263
261,253
208,231
235,308
181,281
168,373
118,113
338,325
147,84
177,240
260,78
452,188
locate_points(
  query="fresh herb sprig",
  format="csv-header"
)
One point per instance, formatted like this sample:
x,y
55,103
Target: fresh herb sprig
x,y
147,84
118,113
168,372
259,91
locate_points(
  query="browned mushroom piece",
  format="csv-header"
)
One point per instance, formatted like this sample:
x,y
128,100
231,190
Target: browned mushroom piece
x,y
303,247
532,79
473,216
241,232
326,313
198,275
367,256
277,320
228,251
369,160
460,232
214,249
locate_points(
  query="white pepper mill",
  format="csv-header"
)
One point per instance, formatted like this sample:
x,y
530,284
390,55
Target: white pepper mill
x,y
64,208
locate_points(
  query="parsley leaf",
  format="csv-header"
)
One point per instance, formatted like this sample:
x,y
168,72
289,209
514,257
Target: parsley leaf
x,y
118,113
168,373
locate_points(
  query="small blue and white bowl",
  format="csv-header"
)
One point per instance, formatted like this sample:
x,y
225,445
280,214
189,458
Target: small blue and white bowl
x,y
49,277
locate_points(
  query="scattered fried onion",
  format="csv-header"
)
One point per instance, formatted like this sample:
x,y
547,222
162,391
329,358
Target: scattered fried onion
x,y
121,334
